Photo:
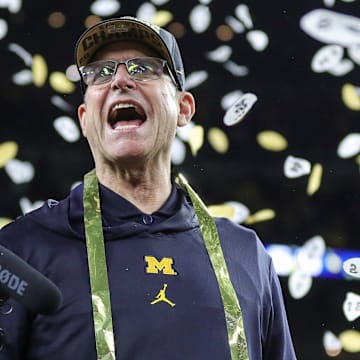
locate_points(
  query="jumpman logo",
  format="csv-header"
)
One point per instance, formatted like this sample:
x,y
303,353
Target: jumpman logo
x,y
161,296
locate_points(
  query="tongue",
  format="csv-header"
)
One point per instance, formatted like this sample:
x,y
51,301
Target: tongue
x,y
126,123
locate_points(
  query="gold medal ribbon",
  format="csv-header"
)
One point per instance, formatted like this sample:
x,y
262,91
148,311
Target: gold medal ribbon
x,y
99,280
233,315
100,294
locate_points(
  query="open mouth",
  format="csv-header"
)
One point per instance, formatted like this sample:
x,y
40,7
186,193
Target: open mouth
x,y
126,115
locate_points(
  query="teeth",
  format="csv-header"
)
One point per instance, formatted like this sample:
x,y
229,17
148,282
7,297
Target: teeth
x,y
122,106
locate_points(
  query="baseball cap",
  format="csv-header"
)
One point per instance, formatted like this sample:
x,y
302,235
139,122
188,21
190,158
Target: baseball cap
x,y
132,29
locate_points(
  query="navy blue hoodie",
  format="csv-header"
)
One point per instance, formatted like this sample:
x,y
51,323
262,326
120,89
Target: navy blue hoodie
x,y
165,298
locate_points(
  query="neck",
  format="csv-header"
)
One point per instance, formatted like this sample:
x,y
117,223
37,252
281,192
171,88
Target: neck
x,y
146,189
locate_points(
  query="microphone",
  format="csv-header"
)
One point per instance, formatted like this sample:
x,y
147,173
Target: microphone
x,y
20,281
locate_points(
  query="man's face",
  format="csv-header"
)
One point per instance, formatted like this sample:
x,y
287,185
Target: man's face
x,y
128,122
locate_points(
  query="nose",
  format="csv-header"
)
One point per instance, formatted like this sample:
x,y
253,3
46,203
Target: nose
x,y
122,79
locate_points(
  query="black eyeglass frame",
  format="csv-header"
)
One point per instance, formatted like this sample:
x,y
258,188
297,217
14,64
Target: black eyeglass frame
x,y
162,62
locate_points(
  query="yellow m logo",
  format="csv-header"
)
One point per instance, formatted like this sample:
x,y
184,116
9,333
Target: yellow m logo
x,y
154,266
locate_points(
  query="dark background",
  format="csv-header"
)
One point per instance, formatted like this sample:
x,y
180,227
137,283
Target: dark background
x,y
305,107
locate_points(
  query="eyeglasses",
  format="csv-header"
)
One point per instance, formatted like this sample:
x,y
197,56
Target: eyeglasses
x,y
139,69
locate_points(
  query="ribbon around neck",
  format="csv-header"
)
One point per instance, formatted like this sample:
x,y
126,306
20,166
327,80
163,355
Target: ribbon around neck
x,y
100,293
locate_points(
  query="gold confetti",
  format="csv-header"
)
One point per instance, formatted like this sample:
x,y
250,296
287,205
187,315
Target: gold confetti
x,y
4,221
218,140
162,18
226,211
351,96
8,151
350,340
39,70
60,83
314,179
272,140
196,139
261,215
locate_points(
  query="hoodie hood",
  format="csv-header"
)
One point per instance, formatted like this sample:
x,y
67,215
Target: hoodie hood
x,y
121,219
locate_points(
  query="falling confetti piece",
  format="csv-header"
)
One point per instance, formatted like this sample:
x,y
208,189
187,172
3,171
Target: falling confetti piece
x,y
218,140
235,24
225,211
314,179
349,146
23,77
235,69
272,140
105,7
243,14
282,258
352,267
239,109
354,53
351,96
26,205
39,70
342,68
326,58
310,256
8,151
200,18
332,344
232,210
195,79
220,54
178,152
162,18
261,215
160,2
3,28
295,167
257,39
350,340
4,221
299,284
60,83
196,139
19,171
21,53
184,132
146,11
331,27
66,127
351,306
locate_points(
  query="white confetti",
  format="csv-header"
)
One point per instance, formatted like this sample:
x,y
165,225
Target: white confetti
x,y
331,343
295,167
195,79
60,103
243,13
354,53
20,171
241,212
258,39
351,306
342,68
200,18
310,256
239,109
159,2
282,258
349,146
326,58
228,99
331,27
13,6
235,69
105,7
146,11
26,205
178,152
352,267
67,129
299,284
220,54
3,28
21,53
235,24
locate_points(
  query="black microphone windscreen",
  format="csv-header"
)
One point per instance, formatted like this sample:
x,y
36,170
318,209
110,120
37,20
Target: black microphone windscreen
x,y
20,281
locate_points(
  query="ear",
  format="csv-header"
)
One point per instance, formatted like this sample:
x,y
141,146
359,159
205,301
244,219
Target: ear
x,y
186,108
82,117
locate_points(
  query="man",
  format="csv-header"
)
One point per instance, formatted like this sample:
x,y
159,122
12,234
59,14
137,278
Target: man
x,y
144,271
